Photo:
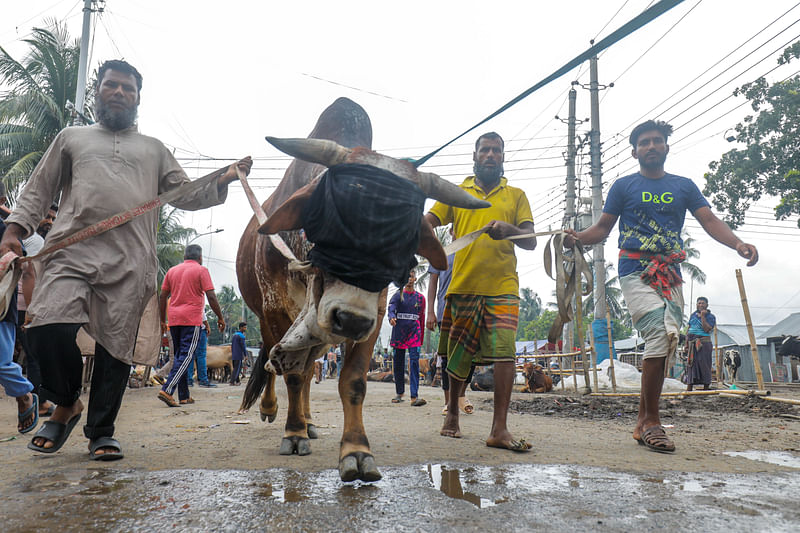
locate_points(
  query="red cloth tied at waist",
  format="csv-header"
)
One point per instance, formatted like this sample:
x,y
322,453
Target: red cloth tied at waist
x,y
661,271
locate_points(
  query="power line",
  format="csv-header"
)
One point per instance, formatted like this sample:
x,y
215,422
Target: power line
x,y
742,45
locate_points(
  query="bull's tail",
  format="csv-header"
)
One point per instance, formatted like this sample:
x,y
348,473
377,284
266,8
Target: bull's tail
x,y
257,381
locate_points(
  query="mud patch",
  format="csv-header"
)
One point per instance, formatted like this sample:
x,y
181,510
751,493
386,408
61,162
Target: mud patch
x,y
627,407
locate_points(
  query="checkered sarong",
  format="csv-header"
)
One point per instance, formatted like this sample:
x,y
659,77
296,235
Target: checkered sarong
x,y
478,330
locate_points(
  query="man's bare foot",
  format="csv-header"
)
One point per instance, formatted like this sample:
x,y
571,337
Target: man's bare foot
x,y
450,428
23,404
63,415
46,408
506,441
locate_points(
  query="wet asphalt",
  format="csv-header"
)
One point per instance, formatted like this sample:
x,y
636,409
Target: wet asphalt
x,y
425,497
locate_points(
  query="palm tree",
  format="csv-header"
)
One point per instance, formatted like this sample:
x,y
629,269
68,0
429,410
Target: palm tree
x,y
33,108
693,271
530,305
614,301
169,239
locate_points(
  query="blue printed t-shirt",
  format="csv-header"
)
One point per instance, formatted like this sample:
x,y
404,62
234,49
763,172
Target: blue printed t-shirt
x,y
651,214
696,324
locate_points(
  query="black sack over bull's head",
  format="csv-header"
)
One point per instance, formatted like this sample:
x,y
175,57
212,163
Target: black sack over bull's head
x,y
364,216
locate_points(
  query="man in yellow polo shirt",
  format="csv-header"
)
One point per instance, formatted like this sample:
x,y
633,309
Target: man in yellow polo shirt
x,y
480,318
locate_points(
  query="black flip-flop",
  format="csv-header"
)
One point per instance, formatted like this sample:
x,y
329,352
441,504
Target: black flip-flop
x,y
34,410
104,442
55,432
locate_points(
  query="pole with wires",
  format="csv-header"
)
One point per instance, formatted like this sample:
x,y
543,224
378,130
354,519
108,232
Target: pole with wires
x,y
569,215
597,191
80,92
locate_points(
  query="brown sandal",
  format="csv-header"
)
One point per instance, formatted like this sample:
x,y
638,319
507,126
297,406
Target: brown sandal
x,y
188,400
655,438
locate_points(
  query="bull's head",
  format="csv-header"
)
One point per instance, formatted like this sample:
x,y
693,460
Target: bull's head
x,y
334,309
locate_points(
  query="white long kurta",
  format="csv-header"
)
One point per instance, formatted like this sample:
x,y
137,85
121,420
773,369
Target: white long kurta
x,y
105,281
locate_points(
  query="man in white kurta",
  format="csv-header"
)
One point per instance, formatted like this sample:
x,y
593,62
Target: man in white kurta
x,y
104,282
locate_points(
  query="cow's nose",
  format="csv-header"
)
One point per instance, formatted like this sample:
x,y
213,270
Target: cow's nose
x,y
350,325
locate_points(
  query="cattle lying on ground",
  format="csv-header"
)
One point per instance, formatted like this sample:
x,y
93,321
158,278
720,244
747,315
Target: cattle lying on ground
x,y
483,379
306,308
381,376
732,362
535,378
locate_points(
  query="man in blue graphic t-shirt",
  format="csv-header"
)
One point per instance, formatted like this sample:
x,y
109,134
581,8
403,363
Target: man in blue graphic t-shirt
x,y
651,206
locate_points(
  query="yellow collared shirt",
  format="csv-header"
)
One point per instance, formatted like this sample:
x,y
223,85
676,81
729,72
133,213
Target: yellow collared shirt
x,y
486,267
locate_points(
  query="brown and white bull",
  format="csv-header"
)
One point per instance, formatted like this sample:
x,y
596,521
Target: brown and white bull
x,y
304,310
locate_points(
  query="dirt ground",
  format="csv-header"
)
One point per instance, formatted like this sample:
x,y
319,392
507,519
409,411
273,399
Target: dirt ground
x,y
564,428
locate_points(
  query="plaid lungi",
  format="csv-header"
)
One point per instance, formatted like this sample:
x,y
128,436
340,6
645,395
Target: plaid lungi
x,y
478,330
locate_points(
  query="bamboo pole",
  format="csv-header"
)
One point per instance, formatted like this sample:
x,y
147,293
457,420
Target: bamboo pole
x,y
718,357
750,332
731,393
579,323
594,358
611,352
782,400
561,372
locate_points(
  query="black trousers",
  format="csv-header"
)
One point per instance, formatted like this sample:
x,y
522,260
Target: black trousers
x,y
32,370
62,370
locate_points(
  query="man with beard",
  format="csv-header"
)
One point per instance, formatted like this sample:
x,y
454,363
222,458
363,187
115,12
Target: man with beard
x,y
47,222
479,325
105,282
651,206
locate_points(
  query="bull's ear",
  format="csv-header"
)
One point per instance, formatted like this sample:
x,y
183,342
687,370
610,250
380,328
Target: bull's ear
x,y
289,216
430,248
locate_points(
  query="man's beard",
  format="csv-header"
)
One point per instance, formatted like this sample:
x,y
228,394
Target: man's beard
x,y
115,119
488,175
653,164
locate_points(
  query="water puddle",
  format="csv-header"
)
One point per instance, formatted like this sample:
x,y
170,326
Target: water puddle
x,y
776,458
408,498
448,480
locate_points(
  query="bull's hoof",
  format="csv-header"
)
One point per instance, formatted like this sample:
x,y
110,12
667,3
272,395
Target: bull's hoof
x,y
312,431
358,465
268,416
295,444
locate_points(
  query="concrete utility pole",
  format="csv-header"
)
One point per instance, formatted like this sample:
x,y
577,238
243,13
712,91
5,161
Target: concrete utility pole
x,y
597,191
80,92
570,208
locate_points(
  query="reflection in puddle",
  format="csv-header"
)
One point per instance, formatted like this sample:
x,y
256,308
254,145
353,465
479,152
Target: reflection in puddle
x,y
448,480
775,458
691,485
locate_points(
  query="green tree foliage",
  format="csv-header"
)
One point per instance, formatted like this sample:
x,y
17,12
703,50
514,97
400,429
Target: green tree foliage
x,y
530,307
537,328
232,308
170,239
33,103
689,268
770,162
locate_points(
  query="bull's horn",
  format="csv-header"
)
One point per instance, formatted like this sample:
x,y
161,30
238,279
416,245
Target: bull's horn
x,y
319,151
448,193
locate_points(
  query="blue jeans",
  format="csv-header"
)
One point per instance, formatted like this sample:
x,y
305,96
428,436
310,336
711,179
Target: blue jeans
x,y
11,377
200,356
413,370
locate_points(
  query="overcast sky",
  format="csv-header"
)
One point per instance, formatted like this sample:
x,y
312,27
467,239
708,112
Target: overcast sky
x,y
218,77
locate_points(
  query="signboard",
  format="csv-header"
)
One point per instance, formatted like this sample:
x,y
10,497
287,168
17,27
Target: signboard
x,y
778,373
